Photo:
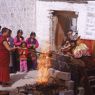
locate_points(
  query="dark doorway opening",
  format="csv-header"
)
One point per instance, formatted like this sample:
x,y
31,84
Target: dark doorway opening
x,y
62,22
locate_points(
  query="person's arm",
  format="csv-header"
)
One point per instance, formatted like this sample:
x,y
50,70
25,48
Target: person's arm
x,y
37,44
5,43
20,51
66,48
28,45
12,44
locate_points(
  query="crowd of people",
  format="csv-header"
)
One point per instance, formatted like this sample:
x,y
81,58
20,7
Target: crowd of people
x,y
19,54
16,54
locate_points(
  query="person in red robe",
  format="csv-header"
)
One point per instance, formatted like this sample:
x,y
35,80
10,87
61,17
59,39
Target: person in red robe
x,y
4,57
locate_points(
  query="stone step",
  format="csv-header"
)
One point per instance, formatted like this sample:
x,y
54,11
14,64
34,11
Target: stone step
x,y
66,92
69,84
59,74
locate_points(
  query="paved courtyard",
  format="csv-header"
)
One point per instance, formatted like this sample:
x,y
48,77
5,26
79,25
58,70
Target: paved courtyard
x,y
20,79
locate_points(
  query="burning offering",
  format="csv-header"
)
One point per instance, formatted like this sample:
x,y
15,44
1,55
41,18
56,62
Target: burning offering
x,y
43,67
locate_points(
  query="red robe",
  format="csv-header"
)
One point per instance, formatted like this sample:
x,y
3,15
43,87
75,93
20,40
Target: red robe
x,y
4,62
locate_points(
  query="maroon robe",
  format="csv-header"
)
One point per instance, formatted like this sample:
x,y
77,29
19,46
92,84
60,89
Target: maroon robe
x,y
4,62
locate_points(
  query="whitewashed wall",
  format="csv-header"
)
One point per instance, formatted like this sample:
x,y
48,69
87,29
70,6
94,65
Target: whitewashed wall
x,y
34,15
90,21
18,14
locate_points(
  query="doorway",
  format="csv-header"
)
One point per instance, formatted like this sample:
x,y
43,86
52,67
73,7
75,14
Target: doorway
x,y
62,21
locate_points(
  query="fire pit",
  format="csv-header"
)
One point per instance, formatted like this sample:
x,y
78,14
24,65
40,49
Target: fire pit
x,y
45,85
43,89
49,81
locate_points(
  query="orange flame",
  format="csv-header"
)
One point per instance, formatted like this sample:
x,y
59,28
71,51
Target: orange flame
x,y
43,66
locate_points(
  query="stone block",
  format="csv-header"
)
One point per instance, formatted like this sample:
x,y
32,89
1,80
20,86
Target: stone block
x,y
66,92
63,75
69,84
59,74
81,91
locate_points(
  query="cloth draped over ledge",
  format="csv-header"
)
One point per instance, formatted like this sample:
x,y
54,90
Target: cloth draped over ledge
x,y
90,44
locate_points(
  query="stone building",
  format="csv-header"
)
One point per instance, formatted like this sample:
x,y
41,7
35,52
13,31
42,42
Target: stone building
x,y
55,17
50,19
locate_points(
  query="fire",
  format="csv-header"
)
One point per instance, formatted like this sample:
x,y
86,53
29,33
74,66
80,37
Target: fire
x,y
43,66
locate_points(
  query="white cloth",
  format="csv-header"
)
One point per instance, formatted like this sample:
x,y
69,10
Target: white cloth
x,y
81,50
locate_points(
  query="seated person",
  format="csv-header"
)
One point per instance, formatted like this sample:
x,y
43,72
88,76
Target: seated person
x,y
72,35
68,47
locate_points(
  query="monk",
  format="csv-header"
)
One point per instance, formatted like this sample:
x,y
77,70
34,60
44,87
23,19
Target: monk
x,y
4,58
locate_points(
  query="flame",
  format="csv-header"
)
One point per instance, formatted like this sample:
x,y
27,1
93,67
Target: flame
x,y
43,66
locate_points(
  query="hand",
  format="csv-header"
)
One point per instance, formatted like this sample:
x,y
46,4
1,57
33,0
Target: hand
x,y
13,49
34,46
17,48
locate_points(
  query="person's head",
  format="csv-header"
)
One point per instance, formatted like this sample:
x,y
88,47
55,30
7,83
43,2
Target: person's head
x,y
23,44
73,43
5,32
70,30
33,35
19,33
69,33
10,32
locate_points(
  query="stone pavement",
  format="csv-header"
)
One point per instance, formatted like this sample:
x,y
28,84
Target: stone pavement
x,y
20,79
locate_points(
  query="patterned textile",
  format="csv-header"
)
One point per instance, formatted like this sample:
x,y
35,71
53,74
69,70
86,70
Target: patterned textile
x,y
23,53
23,65
81,50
